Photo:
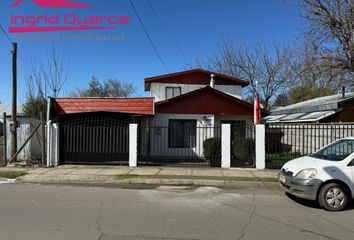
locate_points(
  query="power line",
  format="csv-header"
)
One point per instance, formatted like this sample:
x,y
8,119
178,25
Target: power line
x,y
169,33
148,36
5,33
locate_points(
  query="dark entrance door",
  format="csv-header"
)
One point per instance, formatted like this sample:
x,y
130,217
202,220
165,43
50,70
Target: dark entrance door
x,y
94,138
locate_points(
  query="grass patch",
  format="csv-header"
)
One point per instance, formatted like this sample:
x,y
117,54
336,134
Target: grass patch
x,y
11,175
131,176
221,178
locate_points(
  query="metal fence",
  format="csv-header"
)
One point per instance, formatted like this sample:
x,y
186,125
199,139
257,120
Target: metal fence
x,y
179,145
288,141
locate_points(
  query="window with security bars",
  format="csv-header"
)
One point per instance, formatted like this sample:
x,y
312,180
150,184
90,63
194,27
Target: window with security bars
x,y
182,133
172,92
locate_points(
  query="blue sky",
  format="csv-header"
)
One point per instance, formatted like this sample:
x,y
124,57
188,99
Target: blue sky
x,y
199,26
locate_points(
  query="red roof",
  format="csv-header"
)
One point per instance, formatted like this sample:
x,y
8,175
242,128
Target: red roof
x,y
206,101
194,76
143,106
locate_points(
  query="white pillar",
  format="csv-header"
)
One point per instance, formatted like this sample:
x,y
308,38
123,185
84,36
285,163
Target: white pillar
x,y
55,147
260,146
133,145
49,144
225,145
52,144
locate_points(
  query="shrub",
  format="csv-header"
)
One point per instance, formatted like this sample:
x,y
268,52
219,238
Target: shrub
x,y
277,160
212,151
243,149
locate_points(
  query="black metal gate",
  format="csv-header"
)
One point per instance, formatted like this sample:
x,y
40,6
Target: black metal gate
x,y
98,138
242,144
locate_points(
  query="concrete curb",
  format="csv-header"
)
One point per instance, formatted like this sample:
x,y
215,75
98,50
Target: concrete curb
x,y
88,179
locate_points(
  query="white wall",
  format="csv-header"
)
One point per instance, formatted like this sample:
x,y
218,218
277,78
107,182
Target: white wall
x,y
219,119
162,119
33,148
158,91
159,135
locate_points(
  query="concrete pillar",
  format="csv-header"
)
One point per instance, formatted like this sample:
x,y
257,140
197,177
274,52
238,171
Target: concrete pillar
x,y
49,145
133,145
260,146
52,144
225,145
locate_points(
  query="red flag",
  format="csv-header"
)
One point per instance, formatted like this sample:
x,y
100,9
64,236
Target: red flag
x,y
257,110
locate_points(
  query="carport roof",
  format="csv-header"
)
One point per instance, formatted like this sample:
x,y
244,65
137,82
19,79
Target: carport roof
x,y
140,106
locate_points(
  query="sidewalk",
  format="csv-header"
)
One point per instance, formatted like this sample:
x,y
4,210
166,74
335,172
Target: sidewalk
x,y
147,175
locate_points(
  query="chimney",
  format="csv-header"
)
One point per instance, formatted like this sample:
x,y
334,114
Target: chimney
x,y
343,92
212,80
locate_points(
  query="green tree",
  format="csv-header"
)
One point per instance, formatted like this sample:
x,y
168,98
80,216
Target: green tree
x,y
307,92
36,101
109,88
95,89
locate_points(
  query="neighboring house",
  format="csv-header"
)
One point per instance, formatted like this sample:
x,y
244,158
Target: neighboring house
x,y
330,109
25,125
6,108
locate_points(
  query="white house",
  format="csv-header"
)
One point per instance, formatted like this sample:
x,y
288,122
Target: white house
x,y
190,107
183,111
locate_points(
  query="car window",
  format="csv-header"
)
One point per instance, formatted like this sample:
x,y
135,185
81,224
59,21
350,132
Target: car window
x,y
336,151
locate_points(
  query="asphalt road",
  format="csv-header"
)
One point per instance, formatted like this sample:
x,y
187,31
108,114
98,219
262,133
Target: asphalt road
x,y
85,212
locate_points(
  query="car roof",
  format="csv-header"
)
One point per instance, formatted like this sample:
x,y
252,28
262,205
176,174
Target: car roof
x,y
347,138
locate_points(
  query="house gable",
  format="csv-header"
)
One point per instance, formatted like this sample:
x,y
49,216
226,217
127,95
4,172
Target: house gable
x,y
196,77
205,101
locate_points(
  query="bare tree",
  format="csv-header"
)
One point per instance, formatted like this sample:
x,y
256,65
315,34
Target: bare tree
x,y
311,68
270,67
55,70
332,22
45,76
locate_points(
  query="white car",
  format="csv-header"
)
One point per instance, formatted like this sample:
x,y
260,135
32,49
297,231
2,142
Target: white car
x,y
326,176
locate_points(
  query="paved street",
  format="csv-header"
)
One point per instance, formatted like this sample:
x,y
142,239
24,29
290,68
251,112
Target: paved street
x,y
92,212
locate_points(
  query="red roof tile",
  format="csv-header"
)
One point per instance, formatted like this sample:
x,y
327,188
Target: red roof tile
x,y
143,106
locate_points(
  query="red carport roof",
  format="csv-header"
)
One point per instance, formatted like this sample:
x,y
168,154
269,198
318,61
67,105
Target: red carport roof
x,y
141,106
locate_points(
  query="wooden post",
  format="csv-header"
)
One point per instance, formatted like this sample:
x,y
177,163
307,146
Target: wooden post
x,y
13,130
5,141
43,137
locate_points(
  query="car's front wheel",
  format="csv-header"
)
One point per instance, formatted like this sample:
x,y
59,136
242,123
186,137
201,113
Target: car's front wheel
x,y
333,197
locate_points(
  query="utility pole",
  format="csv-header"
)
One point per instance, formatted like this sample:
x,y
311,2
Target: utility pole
x,y
14,100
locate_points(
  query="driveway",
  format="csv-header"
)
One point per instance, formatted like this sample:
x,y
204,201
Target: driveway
x,y
38,212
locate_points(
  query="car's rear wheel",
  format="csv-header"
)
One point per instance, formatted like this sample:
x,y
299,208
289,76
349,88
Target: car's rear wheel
x,y
333,197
